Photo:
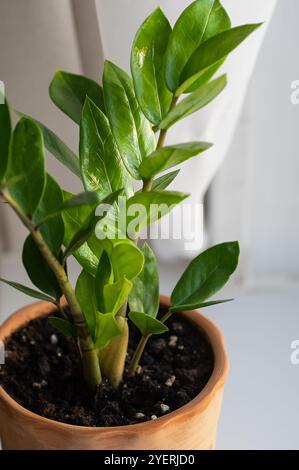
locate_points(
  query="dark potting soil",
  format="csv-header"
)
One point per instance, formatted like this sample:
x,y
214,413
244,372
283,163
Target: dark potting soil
x,y
42,373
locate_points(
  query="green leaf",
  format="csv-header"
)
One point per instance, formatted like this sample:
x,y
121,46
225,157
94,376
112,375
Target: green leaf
x,y
74,218
7,183
38,270
88,198
86,295
5,135
215,49
53,230
206,275
199,21
168,157
144,296
194,102
69,91
63,326
218,21
164,181
102,167
27,159
88,227
127,260
132,131
146,324
144,209
87,259
198,305
116,294
104,276
107,329
28,291
147,65
200,79
57,148
81,236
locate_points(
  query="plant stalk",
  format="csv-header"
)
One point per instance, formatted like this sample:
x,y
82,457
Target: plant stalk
x,y
141,346
113,356
147,186
90,362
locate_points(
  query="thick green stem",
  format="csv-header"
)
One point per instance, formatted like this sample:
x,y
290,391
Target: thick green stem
x,y
141,346
90,362
137,355
113,356
147,186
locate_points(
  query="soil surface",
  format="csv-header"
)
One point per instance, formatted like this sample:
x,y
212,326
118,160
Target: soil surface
x,y
42,373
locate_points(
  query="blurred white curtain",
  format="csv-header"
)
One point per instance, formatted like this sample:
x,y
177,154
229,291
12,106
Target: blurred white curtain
x,y
39,37
119,21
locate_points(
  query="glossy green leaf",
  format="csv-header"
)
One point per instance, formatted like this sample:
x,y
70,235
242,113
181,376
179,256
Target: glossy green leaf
x,y
89,198
164,181
88,226
200,79
199,21
5,136
80,237
145,293
38,270
147,65
195,101
69,91
132,131
127,260
53,230
102,167
86,295
73,219
116,294
218,21
168,157
27,159
104,276
198,305
144,209
28,291
63,326
206,275
146,324
215,49
107,329
58,148
5,184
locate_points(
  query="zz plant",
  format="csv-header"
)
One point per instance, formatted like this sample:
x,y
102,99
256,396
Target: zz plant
x,y
123,125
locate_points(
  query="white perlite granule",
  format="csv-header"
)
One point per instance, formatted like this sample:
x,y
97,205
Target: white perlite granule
x,y
169,382
164,408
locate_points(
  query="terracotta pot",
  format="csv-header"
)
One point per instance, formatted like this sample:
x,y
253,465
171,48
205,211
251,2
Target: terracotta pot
x,y
192,427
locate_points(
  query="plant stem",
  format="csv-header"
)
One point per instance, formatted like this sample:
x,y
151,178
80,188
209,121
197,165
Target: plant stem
x,y
113,356
90,363
141,346
147,186
137,355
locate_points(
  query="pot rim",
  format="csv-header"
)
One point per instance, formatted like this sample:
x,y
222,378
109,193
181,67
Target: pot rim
x,y
198,404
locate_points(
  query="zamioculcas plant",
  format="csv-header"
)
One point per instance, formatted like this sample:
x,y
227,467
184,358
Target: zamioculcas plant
x,y
123,125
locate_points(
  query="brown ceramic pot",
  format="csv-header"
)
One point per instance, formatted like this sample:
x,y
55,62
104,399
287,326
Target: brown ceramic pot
x,y
192,427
